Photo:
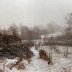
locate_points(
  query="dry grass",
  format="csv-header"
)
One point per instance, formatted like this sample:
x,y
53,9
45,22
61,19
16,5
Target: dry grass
x,y
10,65
1,70
20,66
43,55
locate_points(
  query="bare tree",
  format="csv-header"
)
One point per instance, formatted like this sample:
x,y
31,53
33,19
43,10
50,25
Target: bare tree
x,y
13,29
53,27
69,24
24,32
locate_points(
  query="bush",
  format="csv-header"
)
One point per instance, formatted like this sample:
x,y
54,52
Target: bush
x,y
43,55
18,50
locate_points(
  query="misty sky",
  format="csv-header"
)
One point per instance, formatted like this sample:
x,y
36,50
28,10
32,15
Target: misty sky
x,y
33,12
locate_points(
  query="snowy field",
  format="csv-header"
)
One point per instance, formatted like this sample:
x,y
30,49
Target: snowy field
x,y
60,64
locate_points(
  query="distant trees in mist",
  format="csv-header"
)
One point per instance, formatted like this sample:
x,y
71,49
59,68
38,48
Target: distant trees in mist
x,y
9,35
69,24
15,33
68,30
31,33
52,27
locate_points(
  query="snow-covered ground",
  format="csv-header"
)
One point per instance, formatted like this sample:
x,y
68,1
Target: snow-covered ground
x,y
60,64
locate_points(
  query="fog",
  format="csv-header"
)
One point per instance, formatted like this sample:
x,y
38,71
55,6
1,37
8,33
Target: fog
x,y
34,12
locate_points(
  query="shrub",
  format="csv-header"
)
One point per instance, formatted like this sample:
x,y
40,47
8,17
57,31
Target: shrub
x,y
43,55
17,50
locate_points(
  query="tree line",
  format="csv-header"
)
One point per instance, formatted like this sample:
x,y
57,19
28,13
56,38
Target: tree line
x,y
15,33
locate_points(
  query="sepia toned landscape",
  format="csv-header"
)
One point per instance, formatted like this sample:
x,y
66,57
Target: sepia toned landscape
x,y
35,36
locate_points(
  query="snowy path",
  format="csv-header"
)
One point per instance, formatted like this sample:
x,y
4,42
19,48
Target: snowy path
x,y
39,65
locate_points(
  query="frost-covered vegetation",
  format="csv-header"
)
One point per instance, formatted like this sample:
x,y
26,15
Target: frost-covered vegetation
x,y
38,64
22,50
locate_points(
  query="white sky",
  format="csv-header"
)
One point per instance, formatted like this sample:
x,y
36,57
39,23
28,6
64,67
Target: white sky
x,y
33,12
